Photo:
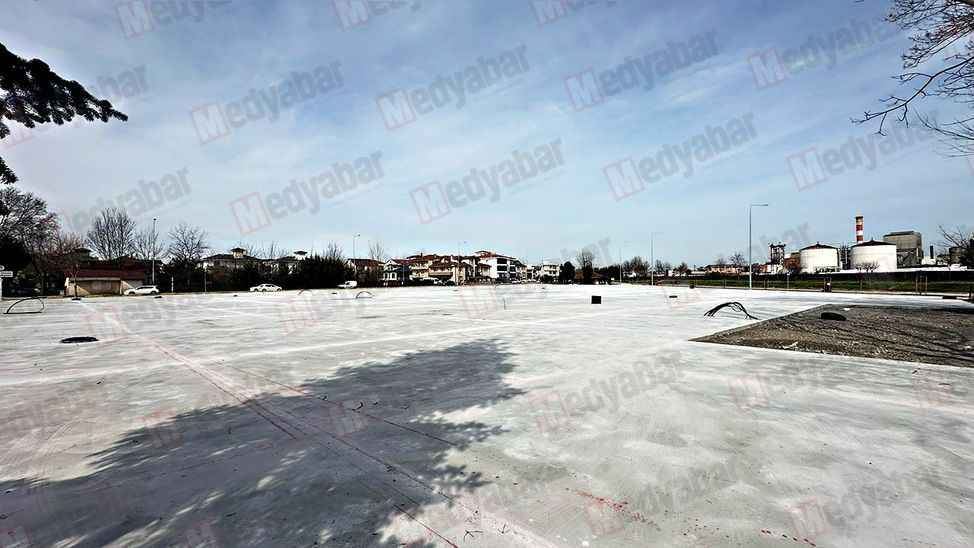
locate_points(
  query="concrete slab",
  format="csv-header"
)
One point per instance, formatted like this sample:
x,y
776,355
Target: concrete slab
x,y
508,416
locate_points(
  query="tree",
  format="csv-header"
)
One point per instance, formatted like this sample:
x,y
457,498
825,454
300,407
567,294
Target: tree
x,y
322,271
567,274
187,244
146,245
960,238
373,277
334,251
270,251
112,234
683,269
58,253
738,261
720,261
586,262
936,25
866,267
637,265
34,94
25,217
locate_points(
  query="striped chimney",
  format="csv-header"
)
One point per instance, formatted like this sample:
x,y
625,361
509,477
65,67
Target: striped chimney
x,y
859,237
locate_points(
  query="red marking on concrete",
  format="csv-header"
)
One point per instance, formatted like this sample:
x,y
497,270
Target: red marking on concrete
x,y
619,507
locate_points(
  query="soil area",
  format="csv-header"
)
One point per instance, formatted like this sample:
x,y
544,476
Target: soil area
x,y
929,335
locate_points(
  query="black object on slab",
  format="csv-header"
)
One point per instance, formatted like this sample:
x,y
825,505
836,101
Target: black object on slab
x,y
596,299
71,340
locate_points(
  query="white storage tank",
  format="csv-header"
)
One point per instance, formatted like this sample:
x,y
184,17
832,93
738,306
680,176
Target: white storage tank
x,y
873,256
819,258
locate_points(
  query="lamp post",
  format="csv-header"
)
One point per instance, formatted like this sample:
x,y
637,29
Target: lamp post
x,y
459,259
621,260
750,251
154,250
652,258
354,264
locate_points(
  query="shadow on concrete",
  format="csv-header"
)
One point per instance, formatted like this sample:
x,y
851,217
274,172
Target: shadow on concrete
x,y
335,459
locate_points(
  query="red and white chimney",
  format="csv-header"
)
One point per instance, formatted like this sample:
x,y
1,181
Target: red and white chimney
x,y
859,236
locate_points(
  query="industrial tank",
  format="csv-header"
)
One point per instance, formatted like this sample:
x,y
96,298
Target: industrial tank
x,y
882,255
820,258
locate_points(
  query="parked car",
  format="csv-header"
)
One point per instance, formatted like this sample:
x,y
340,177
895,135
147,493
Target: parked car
x,y
265,287
348,285
143,290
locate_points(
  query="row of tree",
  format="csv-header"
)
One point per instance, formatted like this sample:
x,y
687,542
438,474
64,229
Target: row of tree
x,y
33,243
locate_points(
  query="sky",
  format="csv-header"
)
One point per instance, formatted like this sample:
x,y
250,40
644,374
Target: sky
x,y
533,128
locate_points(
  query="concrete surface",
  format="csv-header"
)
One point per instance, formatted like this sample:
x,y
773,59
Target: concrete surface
x,y
515,416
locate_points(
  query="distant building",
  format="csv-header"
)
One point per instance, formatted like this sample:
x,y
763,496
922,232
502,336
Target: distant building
x,y
395,272
365,267
502,268
873,256
776,254
289,262
102,281
723,269
237,258
451,269
552,270
819,258
792,263
909,247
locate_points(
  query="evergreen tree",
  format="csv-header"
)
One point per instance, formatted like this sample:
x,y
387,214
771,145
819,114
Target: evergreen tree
x,y
31,93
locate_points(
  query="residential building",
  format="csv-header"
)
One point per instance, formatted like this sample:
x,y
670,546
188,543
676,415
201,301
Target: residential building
x,y
451,269
551,270
237,258
365,268
419,266
395,272
290,262
501,268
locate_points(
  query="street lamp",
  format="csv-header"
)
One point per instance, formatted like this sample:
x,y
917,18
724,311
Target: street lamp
x,y
154,250
459,259
353,246
749,250
652,258
621,260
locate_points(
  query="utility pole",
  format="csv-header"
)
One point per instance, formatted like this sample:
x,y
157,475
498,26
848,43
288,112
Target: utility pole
x,y
750,251
354,264
154,250
652,258
459,260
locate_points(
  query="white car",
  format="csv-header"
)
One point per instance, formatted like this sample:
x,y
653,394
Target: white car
x,y
265,287
143,290
348,285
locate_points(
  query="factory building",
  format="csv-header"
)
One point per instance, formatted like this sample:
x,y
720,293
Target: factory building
x,y
819,258
873,256
776,259
909,247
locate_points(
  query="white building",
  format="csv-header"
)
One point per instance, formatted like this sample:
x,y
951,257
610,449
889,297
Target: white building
x,y
873,256
395,272
501,268
819,258
552,270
